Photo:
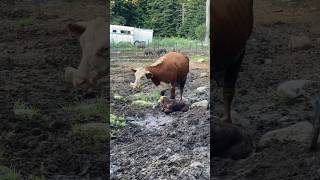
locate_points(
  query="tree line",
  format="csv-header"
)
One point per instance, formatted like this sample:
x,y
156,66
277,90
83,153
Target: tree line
x,y
168,18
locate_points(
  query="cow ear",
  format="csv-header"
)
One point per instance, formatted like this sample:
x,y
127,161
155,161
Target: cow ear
x,y
149,75
76,28
133,69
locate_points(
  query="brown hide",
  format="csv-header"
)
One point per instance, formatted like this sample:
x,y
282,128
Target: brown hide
x,y
232,22
173,69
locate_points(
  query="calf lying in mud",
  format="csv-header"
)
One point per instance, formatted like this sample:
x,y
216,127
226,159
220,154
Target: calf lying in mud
x,y
172,68
94,44
171,105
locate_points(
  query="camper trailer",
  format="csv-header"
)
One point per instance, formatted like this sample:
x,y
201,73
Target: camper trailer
x,y
130,34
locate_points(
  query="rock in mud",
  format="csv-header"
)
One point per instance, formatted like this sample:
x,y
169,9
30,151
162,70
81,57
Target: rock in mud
x,y
229,141
204,74
202,89
202,104
301,42
292,88
299,132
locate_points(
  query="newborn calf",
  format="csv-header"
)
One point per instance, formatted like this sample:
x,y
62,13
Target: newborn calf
x,y
170,105
94,42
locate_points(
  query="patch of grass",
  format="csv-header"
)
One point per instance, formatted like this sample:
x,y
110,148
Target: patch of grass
x,y
8,174
32,177
93,132
199,58
145,99
21,109
282,99
99,108
117,121
151,96
25,22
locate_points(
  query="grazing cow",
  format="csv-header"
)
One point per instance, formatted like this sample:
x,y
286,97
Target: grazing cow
x,y
94,44
171,68
148,52
161,51
231,26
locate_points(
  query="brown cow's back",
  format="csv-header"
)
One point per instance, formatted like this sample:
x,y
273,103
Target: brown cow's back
x,y
231,23
174,67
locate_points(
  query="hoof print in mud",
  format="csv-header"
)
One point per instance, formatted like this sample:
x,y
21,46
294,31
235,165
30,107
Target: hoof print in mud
x,y
231,142
171,105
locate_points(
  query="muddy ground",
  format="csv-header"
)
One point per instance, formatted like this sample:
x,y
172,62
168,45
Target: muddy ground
x,y
157,146
35,49
268,63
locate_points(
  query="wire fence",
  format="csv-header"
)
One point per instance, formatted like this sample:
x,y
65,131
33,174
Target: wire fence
x,y
135,52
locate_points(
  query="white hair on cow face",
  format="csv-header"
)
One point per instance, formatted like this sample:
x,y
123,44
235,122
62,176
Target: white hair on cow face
x,y
139,74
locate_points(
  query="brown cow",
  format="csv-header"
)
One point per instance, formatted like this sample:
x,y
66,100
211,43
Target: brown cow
x,y
231,26
94,43
171,68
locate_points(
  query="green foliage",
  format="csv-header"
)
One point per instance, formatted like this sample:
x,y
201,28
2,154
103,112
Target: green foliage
x,y
116,121
99,108
23,110
8,174
25,22
145,99
163,16
200,32
92,132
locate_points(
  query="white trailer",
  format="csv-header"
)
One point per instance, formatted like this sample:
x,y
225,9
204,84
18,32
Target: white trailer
x,y
130,34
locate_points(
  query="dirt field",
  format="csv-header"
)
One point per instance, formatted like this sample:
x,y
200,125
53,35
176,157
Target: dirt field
x,y
35,48
268,63
154,145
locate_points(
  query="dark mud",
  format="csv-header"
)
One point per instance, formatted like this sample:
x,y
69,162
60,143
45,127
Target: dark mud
x,y
154,145
269,62
35,49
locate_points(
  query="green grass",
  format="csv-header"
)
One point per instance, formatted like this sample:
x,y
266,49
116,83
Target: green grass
x,y
25,22
117,121
93,132
32,177
21,109
199,58
8,174
149,96
145,99
177,42
99,108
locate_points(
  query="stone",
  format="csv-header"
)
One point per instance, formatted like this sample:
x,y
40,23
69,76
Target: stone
x,y
203,104
292,88
301,42
204,74
299,132
202,89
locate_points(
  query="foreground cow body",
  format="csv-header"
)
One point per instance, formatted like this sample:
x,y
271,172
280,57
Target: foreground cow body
x,y
171,68
231,25
94,43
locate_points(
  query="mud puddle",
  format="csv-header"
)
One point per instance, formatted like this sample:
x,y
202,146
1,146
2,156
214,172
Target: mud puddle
x,y
151,121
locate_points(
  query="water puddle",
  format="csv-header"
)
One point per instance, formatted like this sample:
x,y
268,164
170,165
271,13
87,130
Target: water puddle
x,y
151,121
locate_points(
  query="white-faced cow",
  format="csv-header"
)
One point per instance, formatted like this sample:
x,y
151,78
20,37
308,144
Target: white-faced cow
x,y
171,68
230,25
94,44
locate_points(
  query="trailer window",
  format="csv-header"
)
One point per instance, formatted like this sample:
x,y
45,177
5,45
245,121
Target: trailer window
x,y
114,31
125,32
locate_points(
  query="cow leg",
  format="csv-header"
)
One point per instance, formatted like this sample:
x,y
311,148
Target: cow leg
x,y
228,94
173,91
181,88
162,93
230,78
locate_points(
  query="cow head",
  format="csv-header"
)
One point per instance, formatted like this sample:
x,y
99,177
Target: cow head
x,y
85,81
94,44
139,74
